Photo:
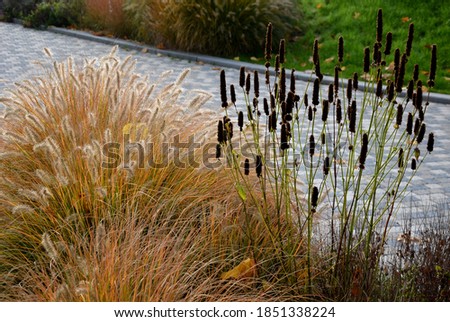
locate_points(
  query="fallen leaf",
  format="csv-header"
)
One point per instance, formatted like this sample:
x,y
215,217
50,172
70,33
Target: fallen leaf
x,y
319,5
447,79
390,67
356,15
254,58
237,58
247,268
330,59
406,19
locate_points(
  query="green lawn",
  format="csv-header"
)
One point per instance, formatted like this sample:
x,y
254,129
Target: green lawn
x,y
356,22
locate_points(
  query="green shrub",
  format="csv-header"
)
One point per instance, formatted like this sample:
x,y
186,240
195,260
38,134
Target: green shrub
x,y
18,8
55,13
219,27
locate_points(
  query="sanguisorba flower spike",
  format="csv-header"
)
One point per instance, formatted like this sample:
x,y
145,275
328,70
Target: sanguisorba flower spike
x,y
268,50
432,75
223,89
409,40
388,45
379,25
341,49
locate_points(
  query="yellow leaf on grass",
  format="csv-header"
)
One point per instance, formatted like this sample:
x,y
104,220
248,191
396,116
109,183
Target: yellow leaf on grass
x,y
245,269
329,60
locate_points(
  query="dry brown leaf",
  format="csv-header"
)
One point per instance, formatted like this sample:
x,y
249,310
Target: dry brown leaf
x,y
247,268
406,19
330,59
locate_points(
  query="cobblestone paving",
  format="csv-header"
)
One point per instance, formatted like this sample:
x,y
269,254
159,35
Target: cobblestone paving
x,y
21,48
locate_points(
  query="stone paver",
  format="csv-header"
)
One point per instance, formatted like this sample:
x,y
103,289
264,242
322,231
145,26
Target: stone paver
x,y
20,48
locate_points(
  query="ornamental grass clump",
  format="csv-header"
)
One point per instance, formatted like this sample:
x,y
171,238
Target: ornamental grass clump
x,y
342,213
110,191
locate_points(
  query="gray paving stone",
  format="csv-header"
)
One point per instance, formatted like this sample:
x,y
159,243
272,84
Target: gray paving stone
x,y
21,49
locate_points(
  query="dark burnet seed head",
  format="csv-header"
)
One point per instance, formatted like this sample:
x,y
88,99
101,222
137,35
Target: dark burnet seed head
x,y
388,45
258,165
349,90
246,167
312,145
398,119
315,98
352,123
409,40
401,161
409,124
355,81
242,77
282,52
413,164
433,64
256,83
223,89
430,143
379,25
240,120
330,93
218,151
421,134
338,112
268,47
326,165
314,197
266,106
316,52
341,49
364,149
325,109
233,94
366,60
220,136
284,138
247,84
